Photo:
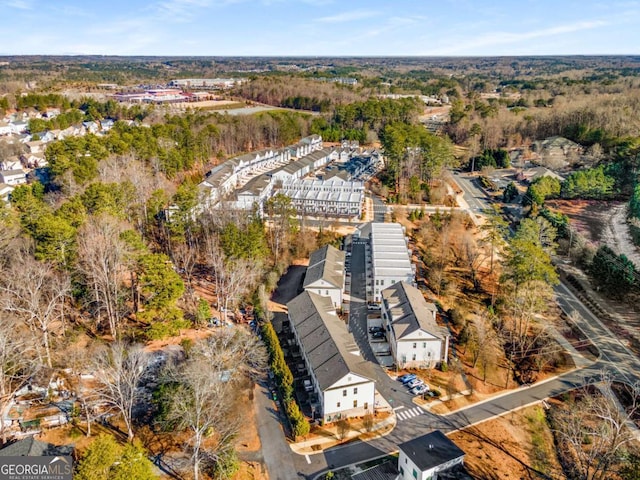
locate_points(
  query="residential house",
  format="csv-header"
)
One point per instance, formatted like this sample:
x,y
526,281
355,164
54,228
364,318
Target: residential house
x,y
325,274
5,128
18,127
11,163
415,339
106,124
556,152
390,257
51,113
34,160
428,457
91,126
36,146
30,447
341,378
5,191
13,177
530,175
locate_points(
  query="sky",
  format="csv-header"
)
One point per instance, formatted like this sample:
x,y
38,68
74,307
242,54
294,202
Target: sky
x,y
319,27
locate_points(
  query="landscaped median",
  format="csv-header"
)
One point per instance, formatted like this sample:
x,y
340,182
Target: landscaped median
x,y
323,437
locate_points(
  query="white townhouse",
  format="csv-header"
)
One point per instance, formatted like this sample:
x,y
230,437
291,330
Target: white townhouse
x,y
415,339
325,274
333,196
254,194
390,258
423,458
341,378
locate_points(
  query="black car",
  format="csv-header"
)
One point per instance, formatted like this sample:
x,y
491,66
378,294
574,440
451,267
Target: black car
x,y
375,329
378,334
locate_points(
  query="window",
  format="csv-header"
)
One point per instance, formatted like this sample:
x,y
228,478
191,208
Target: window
x,y
326,292
344,392
424,344
415,473
355,403
377,282
338,405
355,391
415,344
382,282
405,460
366,405
414,357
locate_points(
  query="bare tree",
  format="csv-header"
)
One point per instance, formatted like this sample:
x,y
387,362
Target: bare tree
x,y
17,365
35,292
233,278
102,261
594,430
119,371
185,257
203,401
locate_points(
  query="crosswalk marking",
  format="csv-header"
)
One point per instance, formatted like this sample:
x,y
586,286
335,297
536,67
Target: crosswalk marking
x,y
407,414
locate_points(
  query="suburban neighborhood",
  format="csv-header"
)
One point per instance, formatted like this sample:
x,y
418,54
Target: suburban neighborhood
x,y
320,268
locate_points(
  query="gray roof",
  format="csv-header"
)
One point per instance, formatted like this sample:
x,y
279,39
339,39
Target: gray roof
x,y
431,450
326,264
409,311
10,173
30,447
325,340
256,185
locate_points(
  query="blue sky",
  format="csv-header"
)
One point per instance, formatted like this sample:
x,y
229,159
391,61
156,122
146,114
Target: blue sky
x,y
319,27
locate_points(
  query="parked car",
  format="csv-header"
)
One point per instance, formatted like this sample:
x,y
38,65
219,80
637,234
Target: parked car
x,y
308,386
375,329
378,334
407,377
419,390
414,383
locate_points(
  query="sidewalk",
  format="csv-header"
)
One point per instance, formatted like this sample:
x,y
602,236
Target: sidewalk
x,y
328,436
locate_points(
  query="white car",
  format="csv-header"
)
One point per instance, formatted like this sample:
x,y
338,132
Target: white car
x,y
415,383
419,390
308,386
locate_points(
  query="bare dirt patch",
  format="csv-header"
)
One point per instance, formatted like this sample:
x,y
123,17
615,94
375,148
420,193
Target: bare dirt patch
x,y
516,446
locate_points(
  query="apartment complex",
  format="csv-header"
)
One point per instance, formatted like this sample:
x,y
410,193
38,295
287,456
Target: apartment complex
x,y
341,377
390,259
415,339
325,274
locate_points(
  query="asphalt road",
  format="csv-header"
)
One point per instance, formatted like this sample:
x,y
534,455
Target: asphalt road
x,y
473,195
277,454
614,356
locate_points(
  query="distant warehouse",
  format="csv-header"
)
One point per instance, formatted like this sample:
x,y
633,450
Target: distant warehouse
x,y
212,83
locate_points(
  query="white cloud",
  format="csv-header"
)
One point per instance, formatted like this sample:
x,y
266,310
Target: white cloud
x,y
507,38
19,4
348,16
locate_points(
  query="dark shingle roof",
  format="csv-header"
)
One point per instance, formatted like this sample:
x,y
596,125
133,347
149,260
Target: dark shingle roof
x,y
325,340
409,310
30,447
327,264
431,450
